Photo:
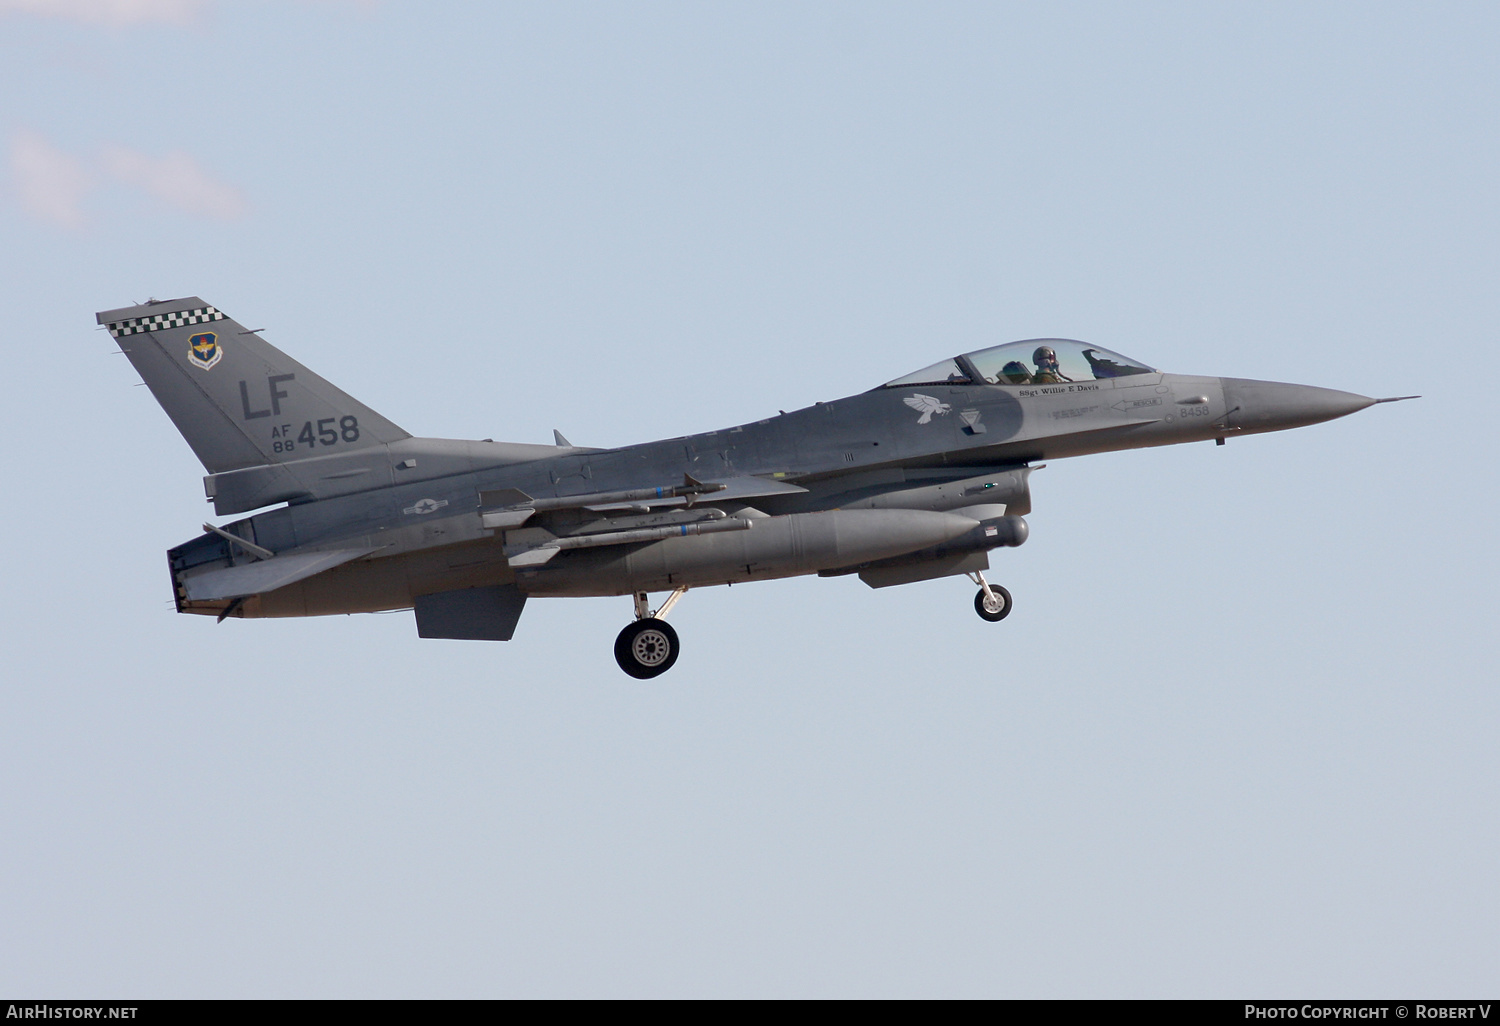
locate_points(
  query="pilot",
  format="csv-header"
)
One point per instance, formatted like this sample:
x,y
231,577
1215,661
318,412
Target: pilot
x,y
1048,371
1015,373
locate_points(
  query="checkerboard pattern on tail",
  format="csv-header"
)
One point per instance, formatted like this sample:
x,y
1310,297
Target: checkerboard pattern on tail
x,y
180,319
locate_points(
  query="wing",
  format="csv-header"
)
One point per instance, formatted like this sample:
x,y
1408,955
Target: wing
x,y
923,403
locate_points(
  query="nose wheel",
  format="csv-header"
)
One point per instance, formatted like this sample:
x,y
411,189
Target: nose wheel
x,y
993,603
648,647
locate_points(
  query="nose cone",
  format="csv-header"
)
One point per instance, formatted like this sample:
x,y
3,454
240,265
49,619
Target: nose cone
x,y
1274,406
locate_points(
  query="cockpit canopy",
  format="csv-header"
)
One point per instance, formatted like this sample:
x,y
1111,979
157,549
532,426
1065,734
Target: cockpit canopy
x,y
1037,361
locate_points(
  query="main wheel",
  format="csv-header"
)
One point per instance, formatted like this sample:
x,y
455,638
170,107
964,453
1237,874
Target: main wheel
x,y
996,609
647,648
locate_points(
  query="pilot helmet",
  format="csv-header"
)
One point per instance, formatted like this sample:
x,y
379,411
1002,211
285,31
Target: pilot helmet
x,y
1044,356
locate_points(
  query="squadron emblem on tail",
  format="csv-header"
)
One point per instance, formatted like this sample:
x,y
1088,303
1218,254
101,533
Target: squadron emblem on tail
x,y
205,350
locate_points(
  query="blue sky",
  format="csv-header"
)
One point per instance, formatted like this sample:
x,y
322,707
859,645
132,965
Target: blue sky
x,y
1237,736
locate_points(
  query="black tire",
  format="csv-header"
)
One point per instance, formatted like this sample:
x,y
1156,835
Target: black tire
x,y
987,613
647,648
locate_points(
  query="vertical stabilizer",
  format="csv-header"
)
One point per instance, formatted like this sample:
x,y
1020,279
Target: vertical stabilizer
x,y
238,400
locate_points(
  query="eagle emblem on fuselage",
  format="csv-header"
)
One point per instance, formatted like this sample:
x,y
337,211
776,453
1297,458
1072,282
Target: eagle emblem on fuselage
x,y
926,405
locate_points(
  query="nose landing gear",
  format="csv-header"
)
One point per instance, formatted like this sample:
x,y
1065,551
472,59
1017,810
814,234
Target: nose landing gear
x,y
993,603
648,647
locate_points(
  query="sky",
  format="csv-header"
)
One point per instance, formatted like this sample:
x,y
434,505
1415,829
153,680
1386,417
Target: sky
x,y
1237,737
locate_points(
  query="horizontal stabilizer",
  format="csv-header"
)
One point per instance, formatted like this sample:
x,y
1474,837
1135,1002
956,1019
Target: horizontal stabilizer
x,y
265,575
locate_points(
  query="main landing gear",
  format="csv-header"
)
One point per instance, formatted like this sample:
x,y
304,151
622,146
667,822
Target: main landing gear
x,y
993,602
649,647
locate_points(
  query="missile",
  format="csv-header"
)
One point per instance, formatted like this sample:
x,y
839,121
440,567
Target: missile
x,y
519,506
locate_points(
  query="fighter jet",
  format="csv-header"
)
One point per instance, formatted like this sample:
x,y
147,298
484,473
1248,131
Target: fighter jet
x,y
918,478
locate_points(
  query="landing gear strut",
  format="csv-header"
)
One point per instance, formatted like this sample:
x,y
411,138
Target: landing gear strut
x,y
649,647
993,602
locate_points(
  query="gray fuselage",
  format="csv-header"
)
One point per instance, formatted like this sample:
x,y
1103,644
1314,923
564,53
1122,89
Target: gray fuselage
x,y
870,451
